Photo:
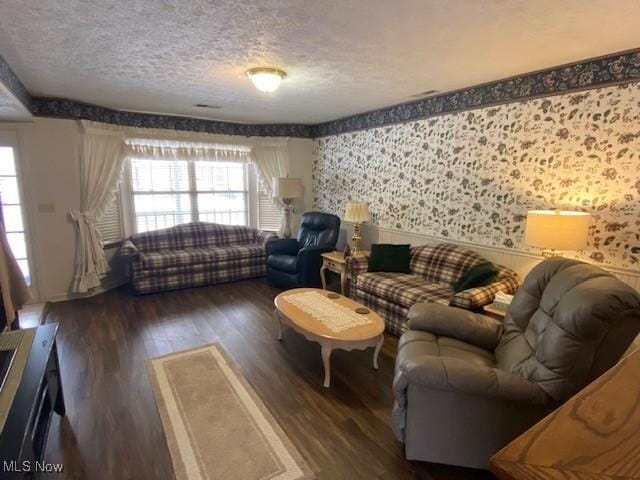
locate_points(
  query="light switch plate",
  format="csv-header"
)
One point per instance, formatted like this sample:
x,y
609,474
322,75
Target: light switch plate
x,y
46,208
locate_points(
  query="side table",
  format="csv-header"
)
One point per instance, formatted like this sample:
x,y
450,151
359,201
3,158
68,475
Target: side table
x,y
337,263
494,312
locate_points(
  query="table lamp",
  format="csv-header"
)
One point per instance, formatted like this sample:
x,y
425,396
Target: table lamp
x,y
554,230
287,189
357,213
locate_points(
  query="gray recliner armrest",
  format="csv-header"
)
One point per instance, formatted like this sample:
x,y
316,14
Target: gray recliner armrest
x,y
458,323
452,374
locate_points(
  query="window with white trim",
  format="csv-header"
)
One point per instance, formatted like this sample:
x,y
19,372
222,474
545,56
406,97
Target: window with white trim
x,y
12,209
165,193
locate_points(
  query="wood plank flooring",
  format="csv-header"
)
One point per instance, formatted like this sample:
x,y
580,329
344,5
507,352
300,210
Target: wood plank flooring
x,y
112,429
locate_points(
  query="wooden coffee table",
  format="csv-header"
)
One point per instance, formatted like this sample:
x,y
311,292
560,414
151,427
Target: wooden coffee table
x,y
358,337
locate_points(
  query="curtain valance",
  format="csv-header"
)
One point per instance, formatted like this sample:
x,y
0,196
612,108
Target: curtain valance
x,y
181,150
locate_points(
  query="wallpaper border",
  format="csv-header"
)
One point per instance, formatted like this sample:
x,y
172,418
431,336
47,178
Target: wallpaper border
x,y
613,69
11,81
71,109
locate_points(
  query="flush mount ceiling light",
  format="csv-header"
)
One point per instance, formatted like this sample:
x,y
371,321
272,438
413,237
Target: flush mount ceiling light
x,y
266,80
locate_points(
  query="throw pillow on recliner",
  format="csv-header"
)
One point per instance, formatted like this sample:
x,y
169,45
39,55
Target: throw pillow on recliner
x,y
387,257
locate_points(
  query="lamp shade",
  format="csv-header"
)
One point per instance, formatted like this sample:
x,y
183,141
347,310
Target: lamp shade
x,y
357,212
287,187
557,229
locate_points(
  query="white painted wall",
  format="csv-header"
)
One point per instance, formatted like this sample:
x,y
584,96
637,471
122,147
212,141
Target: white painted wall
x,y
48,154
48,157
301,163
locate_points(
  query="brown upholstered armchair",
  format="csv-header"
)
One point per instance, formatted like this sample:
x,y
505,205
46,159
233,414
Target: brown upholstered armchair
x,y
467,384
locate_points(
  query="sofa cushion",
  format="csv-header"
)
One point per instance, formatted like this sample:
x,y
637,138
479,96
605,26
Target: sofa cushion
x,y
284,263
145,281
403,288
192,256
194,235
236,252
395,316
444,263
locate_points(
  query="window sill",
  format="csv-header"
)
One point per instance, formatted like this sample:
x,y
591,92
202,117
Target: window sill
x,y
111,244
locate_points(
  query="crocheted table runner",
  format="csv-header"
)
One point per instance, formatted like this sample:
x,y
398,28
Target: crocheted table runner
x,y
334,316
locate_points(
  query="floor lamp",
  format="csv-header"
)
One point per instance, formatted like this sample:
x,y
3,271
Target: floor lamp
x,y
287,189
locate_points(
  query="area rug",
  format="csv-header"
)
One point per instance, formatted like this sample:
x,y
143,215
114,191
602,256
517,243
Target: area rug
x,y
215,424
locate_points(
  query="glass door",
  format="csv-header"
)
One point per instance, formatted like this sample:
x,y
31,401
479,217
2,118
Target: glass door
x,y
12,203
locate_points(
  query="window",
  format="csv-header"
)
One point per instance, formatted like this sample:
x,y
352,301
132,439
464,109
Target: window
x,y
269,216
169,192
12,210
222,192
110,225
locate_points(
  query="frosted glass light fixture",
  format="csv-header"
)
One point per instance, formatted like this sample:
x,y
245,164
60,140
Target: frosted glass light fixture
x,y
265,79
554,230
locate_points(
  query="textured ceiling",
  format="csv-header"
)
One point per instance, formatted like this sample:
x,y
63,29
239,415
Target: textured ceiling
x,y
342,56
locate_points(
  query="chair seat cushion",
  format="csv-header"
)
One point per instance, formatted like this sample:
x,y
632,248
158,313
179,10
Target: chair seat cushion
x,y
283,263
194,256
415,343
403,288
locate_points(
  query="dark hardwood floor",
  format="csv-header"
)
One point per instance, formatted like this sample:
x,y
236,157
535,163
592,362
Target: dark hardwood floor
x,y
112,429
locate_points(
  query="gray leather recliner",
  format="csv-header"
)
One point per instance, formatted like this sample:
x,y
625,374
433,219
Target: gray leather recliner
x,y
466,384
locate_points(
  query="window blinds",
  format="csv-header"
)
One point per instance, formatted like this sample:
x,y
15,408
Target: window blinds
x,y
269,216
110,226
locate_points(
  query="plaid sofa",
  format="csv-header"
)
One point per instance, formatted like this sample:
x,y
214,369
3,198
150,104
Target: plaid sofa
x,y
194,254
434,268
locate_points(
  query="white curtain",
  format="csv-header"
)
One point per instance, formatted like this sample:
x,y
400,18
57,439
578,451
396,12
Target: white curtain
x,y
15,292
271,161
101,160
180,150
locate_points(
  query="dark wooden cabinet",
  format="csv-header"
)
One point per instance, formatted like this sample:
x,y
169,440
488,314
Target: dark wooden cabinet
x,y
24,436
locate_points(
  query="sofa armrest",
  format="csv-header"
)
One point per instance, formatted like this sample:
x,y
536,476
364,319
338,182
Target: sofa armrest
x,y
479,330
355,266
264,236
283,246
453,374
129,249
478,297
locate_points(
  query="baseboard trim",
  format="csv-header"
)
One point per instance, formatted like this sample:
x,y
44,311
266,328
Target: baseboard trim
x,y
64,297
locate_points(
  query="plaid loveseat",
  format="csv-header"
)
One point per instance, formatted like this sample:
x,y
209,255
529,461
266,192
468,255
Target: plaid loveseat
x,y
194,254
434,268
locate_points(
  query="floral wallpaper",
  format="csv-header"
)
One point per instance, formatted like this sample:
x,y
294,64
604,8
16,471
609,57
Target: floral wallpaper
x,y
472,176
